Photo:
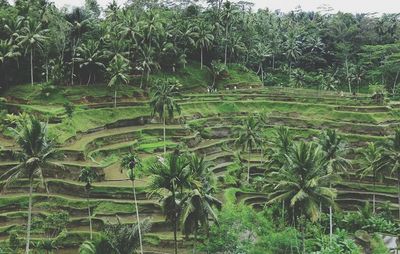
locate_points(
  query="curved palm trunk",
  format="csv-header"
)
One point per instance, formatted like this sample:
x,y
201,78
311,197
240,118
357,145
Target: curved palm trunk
x,y
137,216
28,230
330,220
31,66
90,215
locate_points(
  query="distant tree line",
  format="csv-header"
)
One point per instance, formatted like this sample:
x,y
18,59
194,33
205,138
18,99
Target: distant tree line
x,y
85,45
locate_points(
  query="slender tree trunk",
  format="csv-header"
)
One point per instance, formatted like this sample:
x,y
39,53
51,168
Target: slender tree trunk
x,y
90,76
330,220
28,230
195,241
373,196
262,74
283,212
347,73
226,45
72,62
175,222
164,124
31,66
395,82
273,62
90,215
115,98
141,79
201,58
248,166
398,190
137,216
47,70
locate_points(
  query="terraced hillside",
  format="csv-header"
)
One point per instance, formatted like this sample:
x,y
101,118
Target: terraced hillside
x,y
97,135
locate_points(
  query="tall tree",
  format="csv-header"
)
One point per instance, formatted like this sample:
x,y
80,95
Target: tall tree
x,y
204,38
370,164
168,176
36,149
118,72
31,37
390,159
87,176
89,57
249,138
131,164
163,102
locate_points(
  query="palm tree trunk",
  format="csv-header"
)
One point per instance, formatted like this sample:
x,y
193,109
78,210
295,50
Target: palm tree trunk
x,y
226,44
115,98
273,62
330,220
90,75
195,241
175,222
201,58
373,196
347,73
72,62
90,215
47,70
248,166
395,82
165,144
31,66
262,73
28,230
137,217
398,190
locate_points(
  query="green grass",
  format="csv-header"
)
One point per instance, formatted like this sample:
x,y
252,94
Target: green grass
x,y
238,74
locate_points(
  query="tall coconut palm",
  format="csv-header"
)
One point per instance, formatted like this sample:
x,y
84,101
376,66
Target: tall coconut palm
x,y
204,38
147,62
168,176
89,56
163,101
31,37
36,148
370,165
249,138
390,159
302,182
292,49
131,163
79,23
335,150
118,71
87,176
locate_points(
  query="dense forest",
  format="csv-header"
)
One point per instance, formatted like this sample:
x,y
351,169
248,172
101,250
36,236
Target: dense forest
x,y
193,126
88,45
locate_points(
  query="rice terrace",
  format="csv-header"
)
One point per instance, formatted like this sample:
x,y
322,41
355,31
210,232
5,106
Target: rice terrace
x,y
198,127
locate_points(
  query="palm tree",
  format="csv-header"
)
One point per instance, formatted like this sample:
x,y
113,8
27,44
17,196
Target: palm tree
x,y
168,176
335,150
130,163
204,38
390,159
79,23
261,52
249,138
302,182
293,49
198,210
123,238
32,37
163,101
118,71
8,51
87,176
228,17
370,164
146,62
89,57
35,151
